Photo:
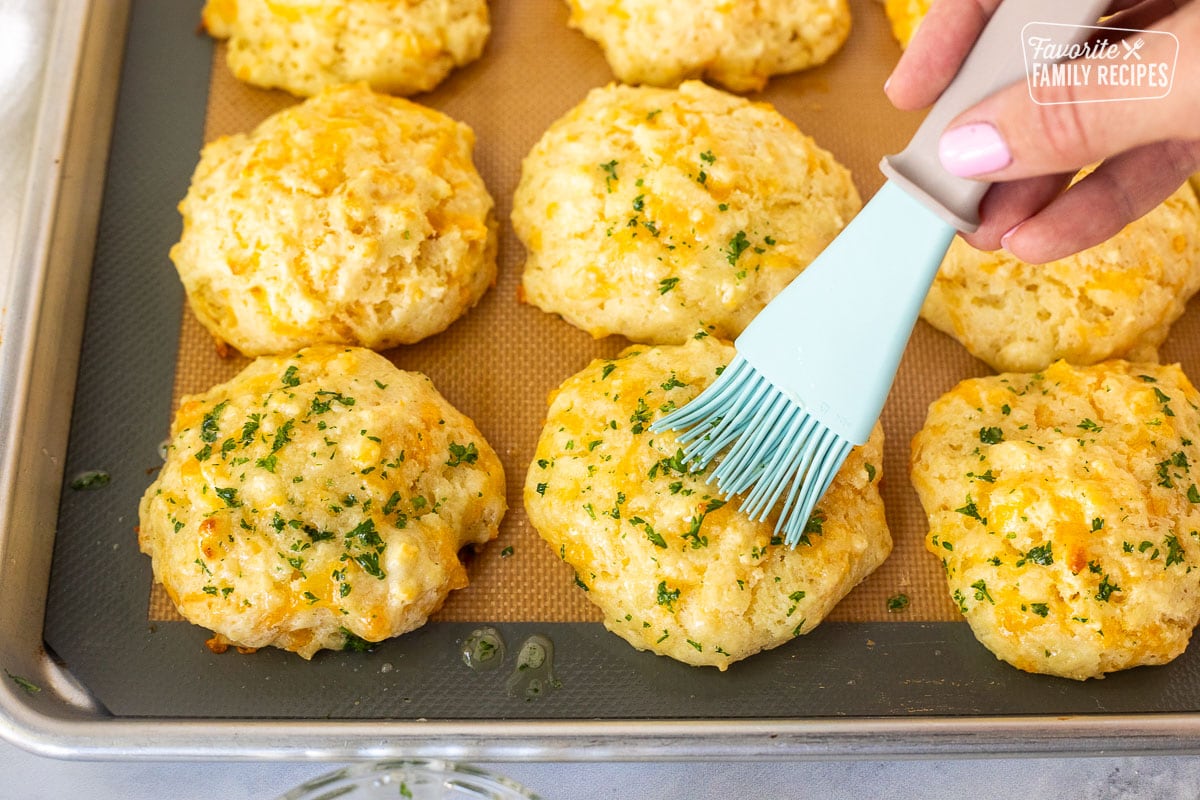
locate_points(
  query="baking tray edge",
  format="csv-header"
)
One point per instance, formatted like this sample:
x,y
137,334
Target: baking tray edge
x,y
39,354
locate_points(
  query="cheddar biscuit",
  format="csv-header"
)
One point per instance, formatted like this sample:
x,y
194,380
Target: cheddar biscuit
x,y
676,568
905,16
397,46
318,501
738,45
1115,300
653,212
352,217
1065,511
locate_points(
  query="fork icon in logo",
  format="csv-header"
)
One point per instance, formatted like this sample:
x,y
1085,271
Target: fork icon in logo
x,y
1132,49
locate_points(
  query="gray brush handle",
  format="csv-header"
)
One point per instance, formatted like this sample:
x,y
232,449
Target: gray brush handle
x,y
996,61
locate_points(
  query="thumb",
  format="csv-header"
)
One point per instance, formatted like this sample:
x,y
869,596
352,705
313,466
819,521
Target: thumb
x,y
1009,136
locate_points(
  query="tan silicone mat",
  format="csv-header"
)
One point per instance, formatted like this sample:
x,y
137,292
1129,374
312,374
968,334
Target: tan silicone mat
x,y
499,362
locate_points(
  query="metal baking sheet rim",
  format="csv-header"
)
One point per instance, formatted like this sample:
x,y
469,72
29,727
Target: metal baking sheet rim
x,y
42,330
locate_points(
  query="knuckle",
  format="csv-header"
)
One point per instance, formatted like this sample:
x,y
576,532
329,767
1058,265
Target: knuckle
x,y
1064,135
1118,208
1182,156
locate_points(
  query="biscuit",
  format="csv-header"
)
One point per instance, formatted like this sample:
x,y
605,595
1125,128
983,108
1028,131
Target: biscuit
x,y
676,569
397,46
318,501
1115,300
352,217
651,213
1064,508
905,16
738,45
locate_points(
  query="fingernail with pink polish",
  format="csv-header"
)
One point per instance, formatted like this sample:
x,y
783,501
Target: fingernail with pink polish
x,y
976,149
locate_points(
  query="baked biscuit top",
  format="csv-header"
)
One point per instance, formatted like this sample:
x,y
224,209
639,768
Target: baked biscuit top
x,y
1065,510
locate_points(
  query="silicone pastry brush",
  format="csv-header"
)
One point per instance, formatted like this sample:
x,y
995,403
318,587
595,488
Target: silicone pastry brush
x,y
814,368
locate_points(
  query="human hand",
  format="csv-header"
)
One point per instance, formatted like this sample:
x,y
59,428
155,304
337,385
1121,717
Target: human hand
x,y
1031,151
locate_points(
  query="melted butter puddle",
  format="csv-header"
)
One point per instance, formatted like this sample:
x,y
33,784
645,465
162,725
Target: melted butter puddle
x,y
533,675
483,650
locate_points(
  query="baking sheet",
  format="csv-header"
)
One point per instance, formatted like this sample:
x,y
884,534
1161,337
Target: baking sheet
x,y
100,620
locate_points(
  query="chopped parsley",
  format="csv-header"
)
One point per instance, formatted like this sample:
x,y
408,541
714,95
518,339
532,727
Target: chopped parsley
x,y
94,479
640,417
981,591
1041,555
1105,590
462,454
1174,550
737,245
970,510
1163,398
370,564
282,436
210,429
27,685
355,644
655,538
666,597
610,174
991,435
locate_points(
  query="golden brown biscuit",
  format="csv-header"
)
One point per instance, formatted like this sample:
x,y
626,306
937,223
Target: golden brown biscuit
x,y
675,569
738,45
651,213
304,46
318,501
1115,300
906,16
352,217
1065,511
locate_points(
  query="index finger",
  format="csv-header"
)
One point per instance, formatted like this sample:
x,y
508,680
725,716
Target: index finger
x,y
932,58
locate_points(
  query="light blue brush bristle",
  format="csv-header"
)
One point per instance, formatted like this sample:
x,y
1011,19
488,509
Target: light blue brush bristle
x,y
776,451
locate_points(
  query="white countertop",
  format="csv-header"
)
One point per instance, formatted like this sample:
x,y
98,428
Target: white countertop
x,y
29,777
24,28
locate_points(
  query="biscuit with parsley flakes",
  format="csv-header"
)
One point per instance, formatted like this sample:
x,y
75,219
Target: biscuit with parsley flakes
x,y
353,218
738,45
318,501
303,46
676,568
905,17
1065,511
1115,300
653,213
